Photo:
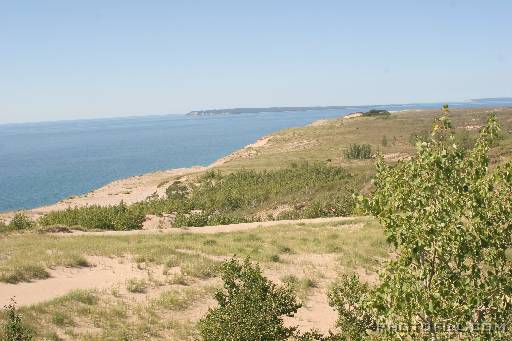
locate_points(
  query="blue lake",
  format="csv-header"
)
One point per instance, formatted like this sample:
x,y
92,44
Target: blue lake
x,y
41,163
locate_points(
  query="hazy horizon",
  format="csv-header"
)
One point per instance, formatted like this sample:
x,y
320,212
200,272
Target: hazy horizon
x,y
149,115
64,60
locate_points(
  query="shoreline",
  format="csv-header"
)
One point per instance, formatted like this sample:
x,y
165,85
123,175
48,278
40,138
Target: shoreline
x,y
138,187
131,189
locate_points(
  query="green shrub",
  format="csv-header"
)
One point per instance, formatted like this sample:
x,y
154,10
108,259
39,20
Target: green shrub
x,y
20,221
14,329
177,190
250,308
118,217
218,199
359,152
207,218
347,297
248,189
376,112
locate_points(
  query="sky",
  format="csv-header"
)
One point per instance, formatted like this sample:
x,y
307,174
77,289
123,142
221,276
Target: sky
x,y
88,59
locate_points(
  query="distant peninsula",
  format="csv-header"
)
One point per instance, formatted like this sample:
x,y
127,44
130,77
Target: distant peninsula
x,y
493,99
235,111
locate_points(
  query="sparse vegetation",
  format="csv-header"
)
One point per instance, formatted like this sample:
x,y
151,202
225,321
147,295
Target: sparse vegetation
x,y
300,286
136,285
384,141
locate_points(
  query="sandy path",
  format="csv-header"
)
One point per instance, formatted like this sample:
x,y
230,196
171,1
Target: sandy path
x,y
107,272
214,228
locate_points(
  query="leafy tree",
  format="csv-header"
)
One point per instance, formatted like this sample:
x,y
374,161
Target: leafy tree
x,y
348,297
450,222
249,308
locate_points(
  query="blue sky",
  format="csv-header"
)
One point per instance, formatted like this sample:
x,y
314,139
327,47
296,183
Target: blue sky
x,y
84,59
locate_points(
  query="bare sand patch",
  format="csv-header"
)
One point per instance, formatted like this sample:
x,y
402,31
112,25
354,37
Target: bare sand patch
x,y
103,273
154,222
353,115
323,269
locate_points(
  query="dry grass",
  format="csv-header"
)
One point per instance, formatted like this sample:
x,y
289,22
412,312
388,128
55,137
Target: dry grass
x,y
168,306
332,137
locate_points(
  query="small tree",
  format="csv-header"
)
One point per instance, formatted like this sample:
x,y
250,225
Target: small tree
x,y
249,308
14,328
450,222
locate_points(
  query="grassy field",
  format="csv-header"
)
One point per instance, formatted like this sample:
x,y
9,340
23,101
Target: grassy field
x,y
353,244
326,141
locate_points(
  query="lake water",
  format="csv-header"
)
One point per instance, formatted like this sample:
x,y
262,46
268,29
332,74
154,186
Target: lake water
x,y
41,163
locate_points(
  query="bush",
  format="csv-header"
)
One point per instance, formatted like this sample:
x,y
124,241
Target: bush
x,y
376,112
359,152
237,197
177,190
217,199
197,219
119,217
20,221
450,223
14,329
250,308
